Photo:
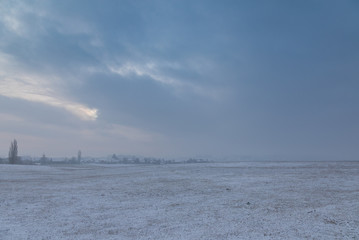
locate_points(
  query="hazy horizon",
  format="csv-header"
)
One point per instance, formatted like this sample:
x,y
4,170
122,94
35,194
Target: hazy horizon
x,y
180,78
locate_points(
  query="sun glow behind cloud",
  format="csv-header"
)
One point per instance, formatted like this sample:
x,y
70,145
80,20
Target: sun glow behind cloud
x,y
16,83
20,90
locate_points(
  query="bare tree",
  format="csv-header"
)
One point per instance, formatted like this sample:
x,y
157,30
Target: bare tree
x,y
13,152
79,156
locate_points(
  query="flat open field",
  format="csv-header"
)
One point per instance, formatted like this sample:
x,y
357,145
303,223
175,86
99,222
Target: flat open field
x,y
247,200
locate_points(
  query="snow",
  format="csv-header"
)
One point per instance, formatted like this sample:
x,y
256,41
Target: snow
x,y
245,200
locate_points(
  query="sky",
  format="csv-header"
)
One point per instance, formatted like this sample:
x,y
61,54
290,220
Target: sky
x,y
168,78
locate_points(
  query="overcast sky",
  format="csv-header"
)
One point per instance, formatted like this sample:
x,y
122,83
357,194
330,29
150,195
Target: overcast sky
x,y
180,78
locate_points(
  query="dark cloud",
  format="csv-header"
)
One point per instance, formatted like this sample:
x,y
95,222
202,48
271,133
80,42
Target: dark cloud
x,y
261,77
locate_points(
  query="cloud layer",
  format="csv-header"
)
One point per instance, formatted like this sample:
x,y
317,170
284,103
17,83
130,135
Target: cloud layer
x,y
180,77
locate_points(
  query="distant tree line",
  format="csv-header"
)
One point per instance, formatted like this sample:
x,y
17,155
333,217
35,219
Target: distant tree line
x,y
136,160
13,158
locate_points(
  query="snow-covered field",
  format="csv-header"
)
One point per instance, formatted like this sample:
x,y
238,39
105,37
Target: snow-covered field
x,y
248,200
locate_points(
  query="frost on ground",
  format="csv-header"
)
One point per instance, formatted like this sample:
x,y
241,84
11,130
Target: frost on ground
x,y
301,200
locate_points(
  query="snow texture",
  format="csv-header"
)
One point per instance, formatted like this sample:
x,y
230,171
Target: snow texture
x,y
246,200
